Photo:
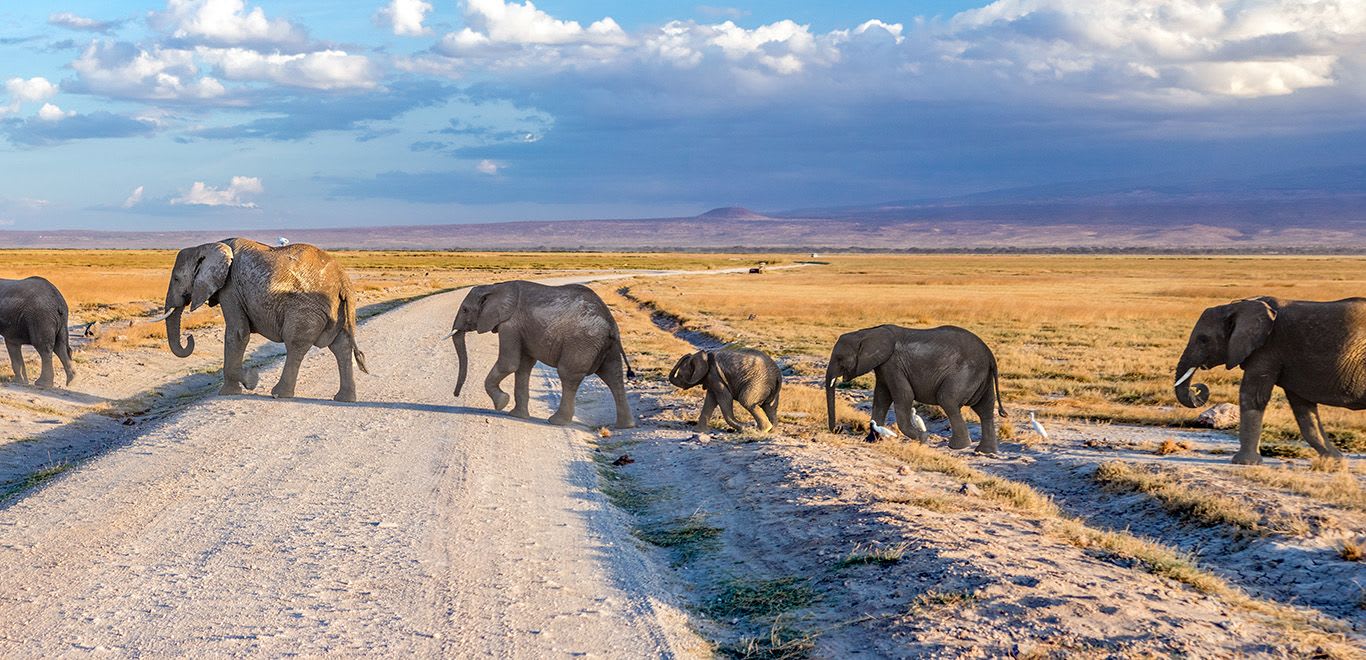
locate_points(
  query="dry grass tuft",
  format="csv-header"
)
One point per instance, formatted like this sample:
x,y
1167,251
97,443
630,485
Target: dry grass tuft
x,y
604,432
1340,488
1171,446
1202,507
874,553
1353,550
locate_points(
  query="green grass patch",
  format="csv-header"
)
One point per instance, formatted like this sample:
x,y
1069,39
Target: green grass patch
x,y
687,536
874,554
32,481
755,598
938,599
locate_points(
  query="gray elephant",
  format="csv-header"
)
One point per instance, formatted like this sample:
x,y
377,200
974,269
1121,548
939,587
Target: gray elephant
x,y
567,327
33,312
946,366
296,294
1311,350
729,376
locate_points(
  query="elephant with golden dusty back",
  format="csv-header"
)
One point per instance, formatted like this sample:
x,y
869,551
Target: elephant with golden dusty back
x,y
296,294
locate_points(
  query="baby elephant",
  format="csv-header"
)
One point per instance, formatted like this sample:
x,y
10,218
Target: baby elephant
x,y
33,312
732,375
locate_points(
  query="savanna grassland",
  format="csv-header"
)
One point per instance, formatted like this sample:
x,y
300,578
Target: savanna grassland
x,y
115,286
1089,337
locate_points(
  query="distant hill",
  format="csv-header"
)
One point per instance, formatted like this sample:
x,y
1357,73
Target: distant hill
x,y
1309,210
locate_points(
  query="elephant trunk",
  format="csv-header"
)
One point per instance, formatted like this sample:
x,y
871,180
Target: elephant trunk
x,y
463,356
1185,369
830,399
173,334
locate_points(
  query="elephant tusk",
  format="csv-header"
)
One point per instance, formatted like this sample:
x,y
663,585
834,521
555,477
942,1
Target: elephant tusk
x,y
1184,378
167,314
832,382
452,334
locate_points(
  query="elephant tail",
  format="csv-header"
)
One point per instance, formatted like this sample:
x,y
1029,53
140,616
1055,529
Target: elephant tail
x,y
616,330
63,347
348,314
996,384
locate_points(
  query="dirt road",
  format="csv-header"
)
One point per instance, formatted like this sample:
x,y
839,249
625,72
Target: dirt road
x,y
409,524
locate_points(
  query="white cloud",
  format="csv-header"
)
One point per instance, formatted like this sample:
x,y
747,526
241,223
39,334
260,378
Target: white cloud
x,y
134,198
227,23
406,17
50,112
31,90
327,69
236,195
495,22
70,21
488,167
122,70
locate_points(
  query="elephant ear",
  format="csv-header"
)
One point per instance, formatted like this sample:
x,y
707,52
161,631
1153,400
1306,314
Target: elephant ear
x,y
676,374
215,262
699,365
495,308
1250,324
874,348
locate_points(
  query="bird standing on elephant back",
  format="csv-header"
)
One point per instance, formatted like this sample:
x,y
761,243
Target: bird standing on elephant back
x,y
946,366
296,294
1314,351
567,327
729,376
33,312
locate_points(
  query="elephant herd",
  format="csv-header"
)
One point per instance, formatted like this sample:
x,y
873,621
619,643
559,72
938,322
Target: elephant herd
x,y
299,295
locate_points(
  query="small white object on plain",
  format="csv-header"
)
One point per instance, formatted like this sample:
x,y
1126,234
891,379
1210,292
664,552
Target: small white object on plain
x,y
882,430
1038,426
918,422
282,241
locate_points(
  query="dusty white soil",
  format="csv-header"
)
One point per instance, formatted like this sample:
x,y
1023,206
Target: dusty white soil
x,y
409,524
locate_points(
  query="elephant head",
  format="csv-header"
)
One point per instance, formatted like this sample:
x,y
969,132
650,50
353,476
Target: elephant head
x,y
691,370
855,353
1226,335
199,273
485,308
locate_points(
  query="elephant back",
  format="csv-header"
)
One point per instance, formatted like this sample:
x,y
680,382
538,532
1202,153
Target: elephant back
x,y
753,376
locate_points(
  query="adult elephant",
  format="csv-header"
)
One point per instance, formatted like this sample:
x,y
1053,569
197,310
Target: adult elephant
x,y
296,294
1311,350
33,312
567,327
946,366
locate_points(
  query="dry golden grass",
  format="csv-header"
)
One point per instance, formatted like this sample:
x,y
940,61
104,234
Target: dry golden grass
x,y
1171,446
1352,550
1076,336
1190,503
1338,487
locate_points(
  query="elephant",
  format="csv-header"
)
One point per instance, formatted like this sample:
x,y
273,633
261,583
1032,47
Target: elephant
x,y
295,294
33,312
732,375
566,327
1311,350
945,366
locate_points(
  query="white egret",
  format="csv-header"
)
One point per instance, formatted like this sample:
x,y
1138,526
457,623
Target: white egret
x,y
918,422
1038,426
882,431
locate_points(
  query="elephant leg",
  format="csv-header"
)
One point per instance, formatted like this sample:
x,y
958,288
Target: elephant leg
x,y
771,410
1311,427
726,403
986,414
342,349
521,388
708,407
16,361
612,373
882,400
961,439
234,349
294,356
569,388
760,419
45,376
905,412
1253,395
509,359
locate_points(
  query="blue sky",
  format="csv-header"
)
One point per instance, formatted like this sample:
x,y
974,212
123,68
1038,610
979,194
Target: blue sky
x,y
150,114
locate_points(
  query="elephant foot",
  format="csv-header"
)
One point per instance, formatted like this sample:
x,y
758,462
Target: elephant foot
x,y
345,397
282,392
626,423
1247,458
43,384
520,413
251,379
561,420
230,389
1331,454
500,400
986,448
959,443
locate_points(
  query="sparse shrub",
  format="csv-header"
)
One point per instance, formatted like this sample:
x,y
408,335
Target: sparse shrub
x,y
1352,550
781,643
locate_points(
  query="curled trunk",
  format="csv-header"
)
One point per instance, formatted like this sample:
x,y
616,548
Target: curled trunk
x,y
1185,372
173,335
463,355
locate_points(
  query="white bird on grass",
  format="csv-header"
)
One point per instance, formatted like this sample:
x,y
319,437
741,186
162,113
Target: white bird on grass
x,y
1038,426
880,431
282,241
918,422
